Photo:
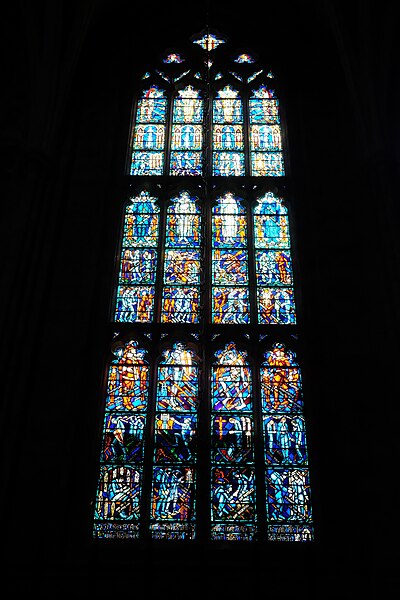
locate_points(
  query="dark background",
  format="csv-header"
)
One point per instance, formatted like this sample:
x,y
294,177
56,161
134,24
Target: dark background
x,y
68,74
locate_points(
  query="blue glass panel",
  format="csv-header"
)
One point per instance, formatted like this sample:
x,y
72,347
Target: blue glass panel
x,y
228,111
147,163
141,222
186,163
285,439
152,107
187,137
267,164
174,471
264,111
265,138
269,204
134,303
229,267
271,231
228,137
231,305
288,495
233,494
177,388
173,494
182,266
148,137
175,437
118,497
123,438
180,297
180,305
273,267
232,438
138,266
231,388
228,164
120,478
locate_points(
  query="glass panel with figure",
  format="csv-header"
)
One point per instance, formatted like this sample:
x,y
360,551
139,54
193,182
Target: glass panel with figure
x,y
117,507
233,513
180,298
187,133
173,514
285,447
148,135
229,262
138,261
228,144
265,134
274,274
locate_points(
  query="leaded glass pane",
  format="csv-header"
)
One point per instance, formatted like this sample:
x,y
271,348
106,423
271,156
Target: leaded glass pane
x,y
187,133
119,488
229,262
228,145
273,262
281,389
207,264
148,135
180,300
285,448
174,472
186,163
233,515
138,262
265,134
289,495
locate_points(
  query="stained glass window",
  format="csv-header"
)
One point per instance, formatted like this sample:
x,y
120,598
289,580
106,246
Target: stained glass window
x,y
204,432
287,475
265,133
148,140
135,292
180,300
228,140
117,507
187,133
274,273
173,513
233,510
229,262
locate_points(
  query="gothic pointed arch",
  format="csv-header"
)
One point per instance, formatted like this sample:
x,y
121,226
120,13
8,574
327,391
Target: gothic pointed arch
x,y
205,434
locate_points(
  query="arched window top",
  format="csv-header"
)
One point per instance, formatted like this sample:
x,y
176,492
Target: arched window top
x,y
263,92
152,106
227,92
228,204
278,356
199,258
244,58
143,203
173,58
230,355
189,92
128,353
208,41
270,204
179,354
184,203
222,119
